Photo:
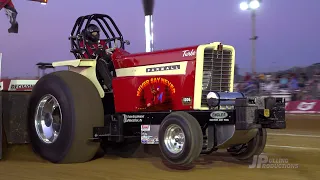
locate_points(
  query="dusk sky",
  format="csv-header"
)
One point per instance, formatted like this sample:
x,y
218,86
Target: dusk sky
x,y
288,30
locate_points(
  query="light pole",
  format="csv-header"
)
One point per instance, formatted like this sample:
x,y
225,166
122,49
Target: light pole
x,y
252,5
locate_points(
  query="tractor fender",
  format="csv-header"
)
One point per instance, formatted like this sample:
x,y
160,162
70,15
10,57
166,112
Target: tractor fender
x,y
85,67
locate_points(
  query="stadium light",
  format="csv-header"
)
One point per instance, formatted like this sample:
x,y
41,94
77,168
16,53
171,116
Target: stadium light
x,y
244,6
251,4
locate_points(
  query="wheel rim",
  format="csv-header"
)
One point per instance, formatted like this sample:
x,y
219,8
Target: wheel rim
x,y
174,139
48,119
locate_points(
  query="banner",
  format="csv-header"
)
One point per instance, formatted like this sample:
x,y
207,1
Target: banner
x,y
303,107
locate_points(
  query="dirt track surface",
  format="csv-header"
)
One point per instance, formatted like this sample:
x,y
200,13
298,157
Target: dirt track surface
x,y
300,144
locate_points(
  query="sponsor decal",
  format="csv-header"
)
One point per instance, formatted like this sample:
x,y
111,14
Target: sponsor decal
x,y
149,140
188,53
144,133
186,101
133,118
155,94
163,68
155,140
144,139
219,116
145,127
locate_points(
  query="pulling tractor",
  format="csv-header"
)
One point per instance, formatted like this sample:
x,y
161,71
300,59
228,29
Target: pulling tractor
x,y
180,99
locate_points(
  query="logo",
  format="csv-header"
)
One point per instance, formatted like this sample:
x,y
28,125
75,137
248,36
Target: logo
x,y
156,81
163,68
188,53
145,127
132,118
263,161
304,106
144,139
219,116
186,101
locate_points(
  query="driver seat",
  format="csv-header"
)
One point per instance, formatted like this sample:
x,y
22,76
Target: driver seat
x,y
104,67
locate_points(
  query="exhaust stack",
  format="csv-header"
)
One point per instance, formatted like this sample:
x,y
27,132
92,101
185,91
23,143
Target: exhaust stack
x,y
148,6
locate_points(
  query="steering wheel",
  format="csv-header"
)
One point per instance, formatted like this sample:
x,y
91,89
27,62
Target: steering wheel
x,y
112,39
110,50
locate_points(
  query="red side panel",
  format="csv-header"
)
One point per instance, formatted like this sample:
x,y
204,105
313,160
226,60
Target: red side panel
x,y
123,59
154,93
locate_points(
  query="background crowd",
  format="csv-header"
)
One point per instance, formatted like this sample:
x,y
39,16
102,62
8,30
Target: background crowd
x,y
301,86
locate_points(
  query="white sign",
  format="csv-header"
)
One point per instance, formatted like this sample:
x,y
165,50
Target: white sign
x,y
263,161
188,53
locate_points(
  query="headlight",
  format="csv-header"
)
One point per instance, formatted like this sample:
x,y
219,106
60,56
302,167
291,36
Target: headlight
x,y
213,99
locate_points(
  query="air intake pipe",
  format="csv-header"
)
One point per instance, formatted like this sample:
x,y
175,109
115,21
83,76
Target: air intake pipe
x,y
148,6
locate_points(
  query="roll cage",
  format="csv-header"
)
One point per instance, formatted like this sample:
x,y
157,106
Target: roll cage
x,y
104,22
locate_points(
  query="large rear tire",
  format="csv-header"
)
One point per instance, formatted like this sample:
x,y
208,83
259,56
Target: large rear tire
x,y
76,109
180,138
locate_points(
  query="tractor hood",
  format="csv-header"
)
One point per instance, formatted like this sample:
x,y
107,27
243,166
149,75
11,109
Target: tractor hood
x,y
155,57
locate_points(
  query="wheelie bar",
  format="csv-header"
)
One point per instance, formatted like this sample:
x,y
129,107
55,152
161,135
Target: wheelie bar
x,y
209,141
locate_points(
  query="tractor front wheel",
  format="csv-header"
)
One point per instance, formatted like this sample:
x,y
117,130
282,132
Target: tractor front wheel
x,y
180,138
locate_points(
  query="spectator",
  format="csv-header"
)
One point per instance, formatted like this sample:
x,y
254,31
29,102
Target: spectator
x,y
247,77
283,82
302,80
293,84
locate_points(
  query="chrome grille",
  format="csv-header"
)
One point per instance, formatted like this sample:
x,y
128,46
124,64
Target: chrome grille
x,y
217,71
